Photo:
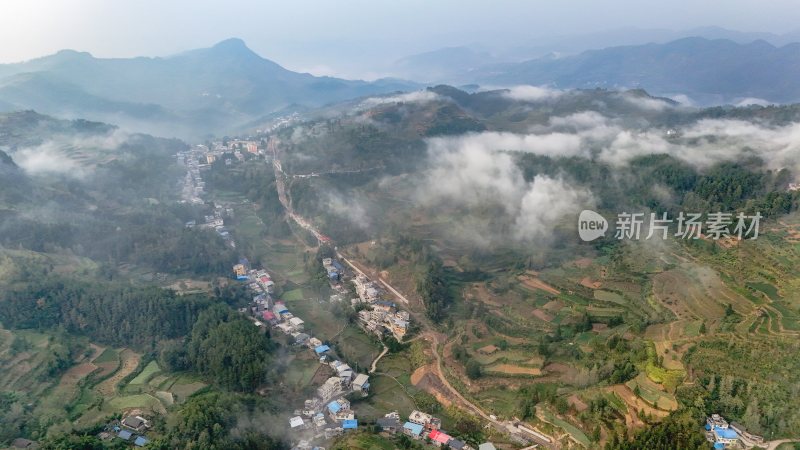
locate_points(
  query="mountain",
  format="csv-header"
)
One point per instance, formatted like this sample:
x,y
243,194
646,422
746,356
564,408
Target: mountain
x,y
213,89
577,43
443,64
708,71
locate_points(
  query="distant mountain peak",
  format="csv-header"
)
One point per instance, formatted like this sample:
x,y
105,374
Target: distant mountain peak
x,y
232,44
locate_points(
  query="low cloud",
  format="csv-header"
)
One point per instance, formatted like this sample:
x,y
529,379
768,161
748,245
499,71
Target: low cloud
x,y
554,143
749,101
532,93
409,97
56,156
473,172
47,159
350,208
646,103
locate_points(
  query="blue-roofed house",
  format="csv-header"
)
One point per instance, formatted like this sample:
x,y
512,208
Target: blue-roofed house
x,y
321,349
725,435
719,445
140,441
334,407
413,430
124,435
350,424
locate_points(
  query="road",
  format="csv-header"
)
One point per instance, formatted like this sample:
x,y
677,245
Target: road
x,y
375,361
775,444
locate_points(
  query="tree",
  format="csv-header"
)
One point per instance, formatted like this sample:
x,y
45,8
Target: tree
x,y
473,369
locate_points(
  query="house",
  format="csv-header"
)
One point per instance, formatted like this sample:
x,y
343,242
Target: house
x,y
399,328
319,420
419,417
413,430
240,271
270,317
301,338
487,446
297,323
361,383
140,441
296,423
331,388
488,350
351,424
339,409
284,327
280,309
319,350
24,443
753,438
439,437
388,424
456,444
344,371
719,432
426,420
124,435
314,343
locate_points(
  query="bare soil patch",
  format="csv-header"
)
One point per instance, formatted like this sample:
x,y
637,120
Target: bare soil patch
x,y
577,403
542,315
587,282
130,361
536,283
514,370
582,263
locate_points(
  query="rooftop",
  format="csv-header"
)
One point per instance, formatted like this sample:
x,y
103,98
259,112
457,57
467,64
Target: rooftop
x,y
414,428
125,434
438,436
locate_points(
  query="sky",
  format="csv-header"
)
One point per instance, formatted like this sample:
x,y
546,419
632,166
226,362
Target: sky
x,y
345,37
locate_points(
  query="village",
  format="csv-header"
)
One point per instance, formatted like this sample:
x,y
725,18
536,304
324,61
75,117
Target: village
x,y
328,414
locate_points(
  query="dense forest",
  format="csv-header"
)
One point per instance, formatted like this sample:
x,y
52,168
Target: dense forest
x,y
108,312
677,431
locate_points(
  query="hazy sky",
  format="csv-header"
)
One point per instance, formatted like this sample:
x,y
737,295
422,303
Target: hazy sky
x,y
336,35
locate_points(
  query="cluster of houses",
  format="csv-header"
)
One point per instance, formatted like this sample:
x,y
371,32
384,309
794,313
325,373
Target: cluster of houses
x,y
131,429
383,318
193,186
333,268
729,435
380,317
216,222
421,426
328,414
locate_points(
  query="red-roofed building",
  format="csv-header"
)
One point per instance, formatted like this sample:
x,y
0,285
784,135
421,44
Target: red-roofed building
x,y
270,317
440,437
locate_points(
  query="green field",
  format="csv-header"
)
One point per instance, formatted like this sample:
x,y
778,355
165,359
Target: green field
x,y
354,345
109,355
386,395
363,441
149,370
573,431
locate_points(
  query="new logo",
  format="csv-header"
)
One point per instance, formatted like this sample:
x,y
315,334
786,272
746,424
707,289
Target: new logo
x,y
591,225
